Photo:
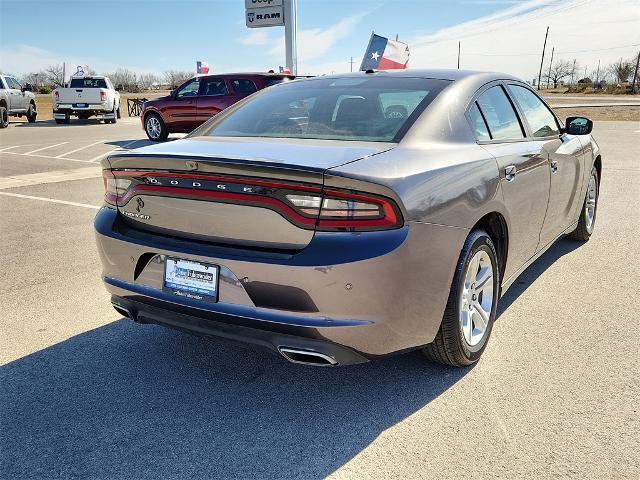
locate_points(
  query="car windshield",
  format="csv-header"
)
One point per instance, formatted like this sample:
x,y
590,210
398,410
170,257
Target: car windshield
x,y
88,83
351,108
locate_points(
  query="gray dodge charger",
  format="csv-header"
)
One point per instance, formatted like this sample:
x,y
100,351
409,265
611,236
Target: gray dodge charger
x,y
343,218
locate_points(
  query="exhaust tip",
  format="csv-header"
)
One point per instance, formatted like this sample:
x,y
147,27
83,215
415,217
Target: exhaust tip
x,y
307,357
123,311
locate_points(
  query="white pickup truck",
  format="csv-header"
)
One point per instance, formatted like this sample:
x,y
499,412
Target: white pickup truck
x,y
86,97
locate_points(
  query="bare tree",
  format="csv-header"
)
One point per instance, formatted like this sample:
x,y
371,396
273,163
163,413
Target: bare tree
x,y
36,79
147,80
55,74
124,79
621,70
174,78
560,70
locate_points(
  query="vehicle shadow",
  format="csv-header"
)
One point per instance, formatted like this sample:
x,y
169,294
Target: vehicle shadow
x,y
134,143
128,400
75,122
535,270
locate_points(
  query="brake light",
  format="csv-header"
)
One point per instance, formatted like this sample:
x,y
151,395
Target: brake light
x,y
306,206
56,94
114,187
103,96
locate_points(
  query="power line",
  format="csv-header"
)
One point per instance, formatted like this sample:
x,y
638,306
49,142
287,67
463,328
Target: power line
x,y
560,52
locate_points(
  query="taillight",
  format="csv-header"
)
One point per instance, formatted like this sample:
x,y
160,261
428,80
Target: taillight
x,y
337,210
56,94
307,206
114,187
103,96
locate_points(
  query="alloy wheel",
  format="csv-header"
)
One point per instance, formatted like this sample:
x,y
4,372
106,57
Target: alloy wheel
x,y
153,127
476,299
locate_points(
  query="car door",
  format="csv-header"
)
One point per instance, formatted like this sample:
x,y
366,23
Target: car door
x,y
182,112
523,167
17,95
213,98
564,152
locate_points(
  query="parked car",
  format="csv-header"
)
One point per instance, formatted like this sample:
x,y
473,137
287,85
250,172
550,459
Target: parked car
x,y
16,100
200,98
86,97
344,218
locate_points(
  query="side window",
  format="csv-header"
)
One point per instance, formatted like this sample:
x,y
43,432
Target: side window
x,y
2,87
501,118
478,124
190,89
14,83
213,87
243,87
540,119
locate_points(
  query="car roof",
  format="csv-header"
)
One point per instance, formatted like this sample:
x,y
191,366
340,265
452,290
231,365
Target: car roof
x,y
247,74
437,73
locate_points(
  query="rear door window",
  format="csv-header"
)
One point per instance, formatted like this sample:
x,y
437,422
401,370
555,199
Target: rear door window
x,y
540,119
13,83
213,87
478,124
243,86
500,115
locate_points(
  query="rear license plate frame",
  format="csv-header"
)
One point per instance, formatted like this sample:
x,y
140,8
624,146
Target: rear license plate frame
x,y
190,288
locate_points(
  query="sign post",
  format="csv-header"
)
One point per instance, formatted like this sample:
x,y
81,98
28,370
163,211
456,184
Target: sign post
x,y
276,13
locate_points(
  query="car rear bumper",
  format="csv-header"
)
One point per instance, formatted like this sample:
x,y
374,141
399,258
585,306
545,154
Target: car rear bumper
x,y
372,293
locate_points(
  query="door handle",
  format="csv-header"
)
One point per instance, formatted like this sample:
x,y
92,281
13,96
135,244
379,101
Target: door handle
x,y
510,173
554,166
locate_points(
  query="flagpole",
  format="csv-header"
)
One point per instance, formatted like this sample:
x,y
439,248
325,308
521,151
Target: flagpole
x,y
458,54
365,52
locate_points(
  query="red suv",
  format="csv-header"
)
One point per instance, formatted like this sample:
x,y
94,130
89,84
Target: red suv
x,y
198,99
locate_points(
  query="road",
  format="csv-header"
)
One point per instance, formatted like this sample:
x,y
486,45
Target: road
x,y
87,394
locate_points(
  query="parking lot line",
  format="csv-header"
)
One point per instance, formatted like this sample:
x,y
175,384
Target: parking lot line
x,y
44,148
47,156
81,148
122,147
51,200
54,176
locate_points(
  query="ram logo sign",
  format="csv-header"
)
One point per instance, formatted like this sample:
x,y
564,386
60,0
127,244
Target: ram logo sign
x,y
264,17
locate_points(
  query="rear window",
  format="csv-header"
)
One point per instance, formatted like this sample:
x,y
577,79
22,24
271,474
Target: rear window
x,y
275,81
88,83
243,87
352,108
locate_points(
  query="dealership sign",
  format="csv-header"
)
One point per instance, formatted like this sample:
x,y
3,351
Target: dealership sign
x,y
250,4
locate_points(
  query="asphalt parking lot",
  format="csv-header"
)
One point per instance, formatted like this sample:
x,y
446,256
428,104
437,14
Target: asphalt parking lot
x,y
87,394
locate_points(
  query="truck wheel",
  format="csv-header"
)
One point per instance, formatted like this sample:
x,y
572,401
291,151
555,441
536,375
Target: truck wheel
x,y
155,128
32,113
4,117
66,120
115,115
118,115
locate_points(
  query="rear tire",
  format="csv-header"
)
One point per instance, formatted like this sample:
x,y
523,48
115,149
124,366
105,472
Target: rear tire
x,y
471,308
32,113
155,128
587,220
4,117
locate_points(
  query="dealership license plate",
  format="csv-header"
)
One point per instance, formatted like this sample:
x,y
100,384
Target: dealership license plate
x,y
80,105
188,279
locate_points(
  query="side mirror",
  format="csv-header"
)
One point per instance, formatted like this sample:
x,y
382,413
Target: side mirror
x,y
578,126
27,87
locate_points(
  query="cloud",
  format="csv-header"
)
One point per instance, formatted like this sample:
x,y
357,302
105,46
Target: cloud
x,y
511,40
21,59
256,37
316,43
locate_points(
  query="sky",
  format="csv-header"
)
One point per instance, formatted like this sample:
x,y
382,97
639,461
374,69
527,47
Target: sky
x,y
151,36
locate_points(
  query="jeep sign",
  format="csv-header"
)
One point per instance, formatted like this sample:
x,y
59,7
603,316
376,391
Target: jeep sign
x,y
264,17
249,4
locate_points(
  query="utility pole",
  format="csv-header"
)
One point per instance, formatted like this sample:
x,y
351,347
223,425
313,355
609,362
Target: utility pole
x,y
351,63
550,65
635,75
542,59
597,73
458,54
290,34
573,71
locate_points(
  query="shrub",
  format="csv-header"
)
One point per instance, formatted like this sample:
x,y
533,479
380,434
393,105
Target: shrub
x,y
44,89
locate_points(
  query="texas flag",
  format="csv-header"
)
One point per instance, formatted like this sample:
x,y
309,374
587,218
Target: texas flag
x,y
201,68
385,54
